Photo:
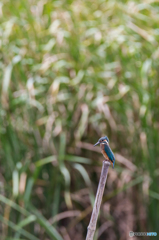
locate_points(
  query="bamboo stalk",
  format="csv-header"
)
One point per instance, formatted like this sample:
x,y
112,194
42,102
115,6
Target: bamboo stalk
x,y
98,200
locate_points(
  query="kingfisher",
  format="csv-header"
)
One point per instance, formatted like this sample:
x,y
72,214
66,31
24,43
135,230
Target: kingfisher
x,y
106,150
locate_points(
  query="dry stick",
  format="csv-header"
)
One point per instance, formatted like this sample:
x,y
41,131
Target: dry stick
x,y
98,200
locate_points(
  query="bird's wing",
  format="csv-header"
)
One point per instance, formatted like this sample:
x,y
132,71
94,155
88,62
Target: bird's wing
x,y
109,152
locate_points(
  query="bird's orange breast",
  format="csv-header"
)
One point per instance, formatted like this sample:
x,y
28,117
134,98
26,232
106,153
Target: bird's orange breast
x,y
104,154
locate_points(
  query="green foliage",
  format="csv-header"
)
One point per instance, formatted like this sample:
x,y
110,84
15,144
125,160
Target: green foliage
x,y
73,71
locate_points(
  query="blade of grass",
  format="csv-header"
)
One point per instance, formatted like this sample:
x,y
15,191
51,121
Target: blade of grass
x,y
14,205
46,160
15,178
154,195
78,159
87,180
14,227
50,230
26,221
64,170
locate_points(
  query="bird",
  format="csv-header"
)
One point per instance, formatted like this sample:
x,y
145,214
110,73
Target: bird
x,y
106,150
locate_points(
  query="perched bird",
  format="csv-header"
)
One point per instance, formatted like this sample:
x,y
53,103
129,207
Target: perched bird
x,y
106,150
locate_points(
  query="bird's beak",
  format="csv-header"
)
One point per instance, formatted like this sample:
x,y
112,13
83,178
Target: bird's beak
x,y
96,144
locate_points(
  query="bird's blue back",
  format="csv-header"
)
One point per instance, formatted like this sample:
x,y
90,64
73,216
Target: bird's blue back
x,y
109,153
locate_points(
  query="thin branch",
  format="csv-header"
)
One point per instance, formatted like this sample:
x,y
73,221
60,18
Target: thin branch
x,y
98,200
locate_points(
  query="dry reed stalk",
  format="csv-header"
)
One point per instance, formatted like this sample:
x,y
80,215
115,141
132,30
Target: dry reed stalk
x,y
98,200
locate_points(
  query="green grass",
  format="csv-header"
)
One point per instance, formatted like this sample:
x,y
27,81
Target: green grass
x,y
71,72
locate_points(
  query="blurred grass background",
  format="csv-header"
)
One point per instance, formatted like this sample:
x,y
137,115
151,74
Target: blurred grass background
x,y
71,72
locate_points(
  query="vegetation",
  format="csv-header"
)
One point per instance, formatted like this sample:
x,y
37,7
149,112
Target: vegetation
x,y
73,71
